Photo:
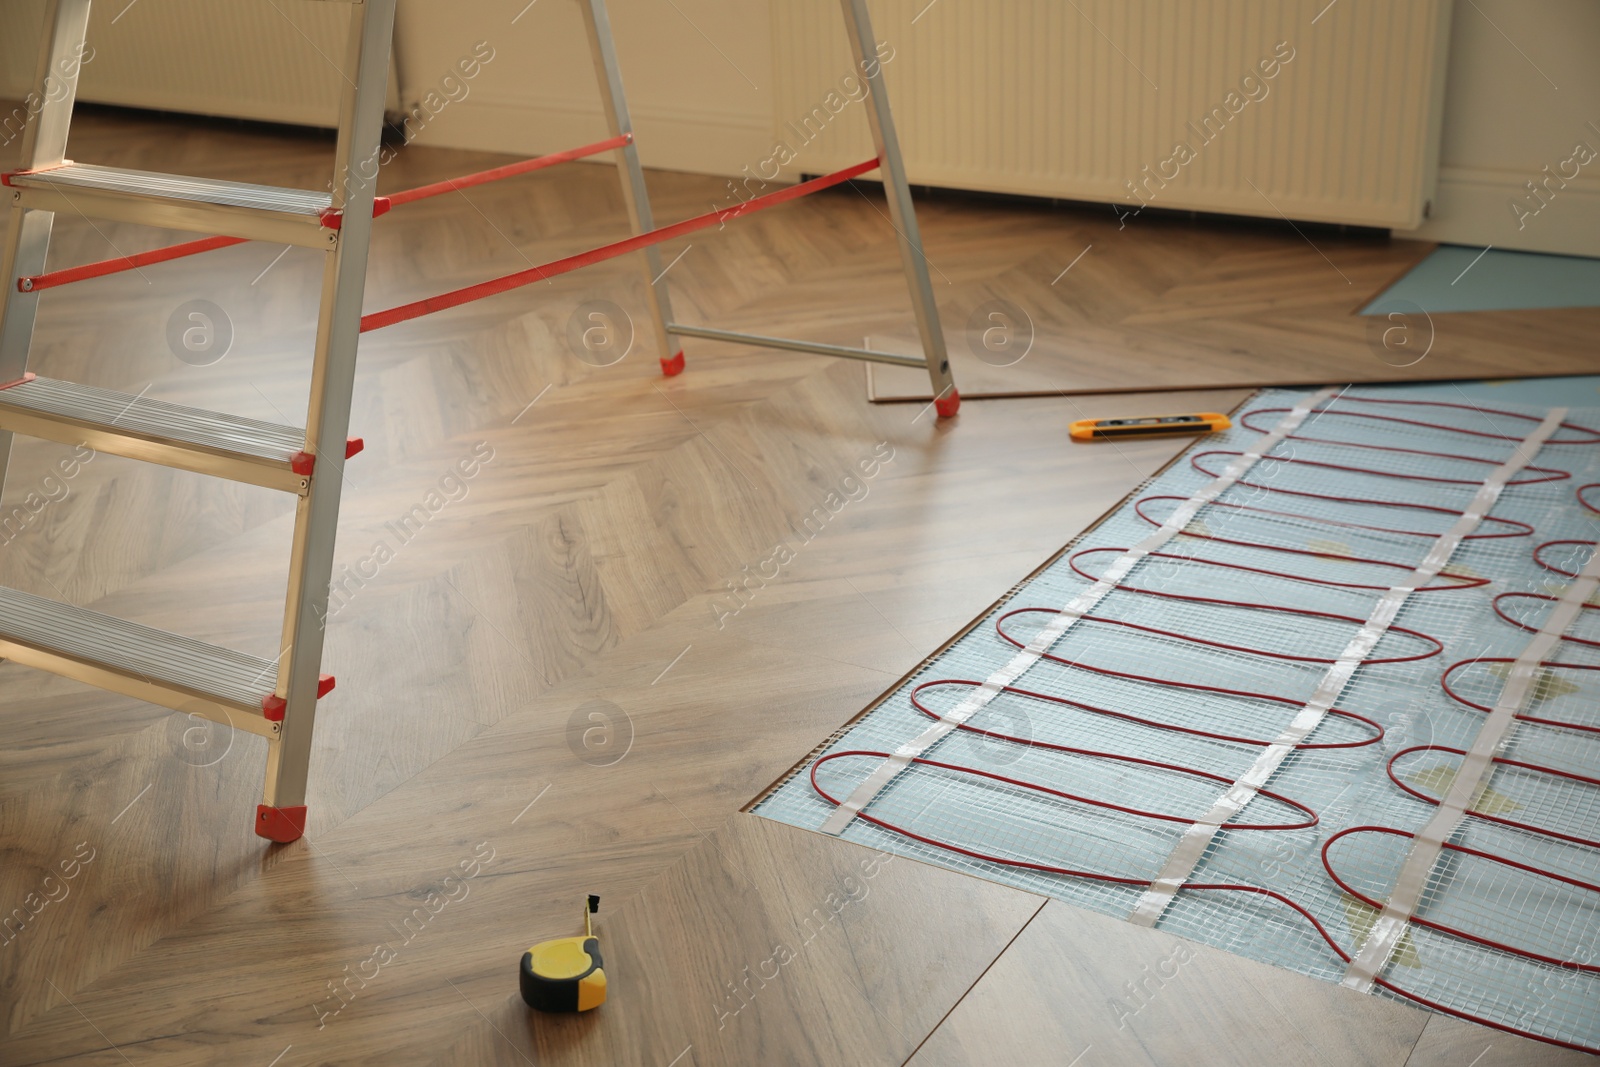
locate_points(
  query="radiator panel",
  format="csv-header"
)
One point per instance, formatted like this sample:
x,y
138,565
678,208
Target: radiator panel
x,y
1076,100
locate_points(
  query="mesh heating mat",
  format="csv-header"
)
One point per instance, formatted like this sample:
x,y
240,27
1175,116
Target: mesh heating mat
x,y
1098,758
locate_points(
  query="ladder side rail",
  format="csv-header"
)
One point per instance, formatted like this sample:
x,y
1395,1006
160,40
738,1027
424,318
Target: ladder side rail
x,y
635,195
44,144
328,416
902,213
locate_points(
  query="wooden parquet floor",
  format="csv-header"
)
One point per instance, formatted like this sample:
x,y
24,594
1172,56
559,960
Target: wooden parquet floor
x,y
583,571
1166,303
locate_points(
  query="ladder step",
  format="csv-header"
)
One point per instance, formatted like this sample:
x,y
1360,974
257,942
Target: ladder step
x,y
137,661
208,442
204,205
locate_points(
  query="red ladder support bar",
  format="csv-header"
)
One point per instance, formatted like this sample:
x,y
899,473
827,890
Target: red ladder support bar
x,y
379,319
330,218
133,262
510,170
40,282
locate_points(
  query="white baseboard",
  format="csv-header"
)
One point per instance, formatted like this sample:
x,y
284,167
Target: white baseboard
x,y
697,142
1472,206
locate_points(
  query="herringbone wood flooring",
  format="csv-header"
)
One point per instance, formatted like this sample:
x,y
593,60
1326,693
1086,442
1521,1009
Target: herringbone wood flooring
x,y
1167,303
587,560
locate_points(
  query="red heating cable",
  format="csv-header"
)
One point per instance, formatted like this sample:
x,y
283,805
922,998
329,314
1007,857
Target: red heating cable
x,y
1322,413
1462,581
1532,629
1377,905
1413,452
1046,868
1316,925
379,319
1584,500
1438,646
1433,1004
1541,561
65,276
1327,862
1444,681
1535,767
1165,682
1521,529
1261,742
1184,820
1555,475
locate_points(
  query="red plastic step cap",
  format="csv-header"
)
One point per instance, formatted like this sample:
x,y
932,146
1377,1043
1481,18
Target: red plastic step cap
x,y
948,405
304,463
5,179
674,366
24,380
273,706
282,825
333,218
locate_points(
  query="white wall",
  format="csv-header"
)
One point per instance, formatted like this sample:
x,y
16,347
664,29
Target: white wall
x,y
698,75
1504,121
275,62
1523,89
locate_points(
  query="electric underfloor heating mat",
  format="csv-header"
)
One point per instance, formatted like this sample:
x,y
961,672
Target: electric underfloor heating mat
x,y
1079,778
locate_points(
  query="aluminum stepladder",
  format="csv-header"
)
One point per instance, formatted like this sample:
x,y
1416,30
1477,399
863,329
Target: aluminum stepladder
x,y
902,216
276,699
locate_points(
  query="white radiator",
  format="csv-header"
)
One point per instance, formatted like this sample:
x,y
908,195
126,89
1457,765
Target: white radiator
x,y
271,60
1098,100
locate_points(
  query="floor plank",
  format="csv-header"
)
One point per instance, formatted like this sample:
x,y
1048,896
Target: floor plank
x,y
1079,984
1450,1042
1174,303
767,944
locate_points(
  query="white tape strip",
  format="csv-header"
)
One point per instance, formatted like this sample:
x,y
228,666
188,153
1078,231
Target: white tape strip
x,y
1192,846
1470,780
1075,609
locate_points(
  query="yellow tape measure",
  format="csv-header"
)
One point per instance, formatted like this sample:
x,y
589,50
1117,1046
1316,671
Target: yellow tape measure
x,y
1101,429
566,974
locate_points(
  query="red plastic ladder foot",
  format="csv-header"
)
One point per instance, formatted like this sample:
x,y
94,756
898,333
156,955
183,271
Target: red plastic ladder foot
x,y
948,405
282,825
674,366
